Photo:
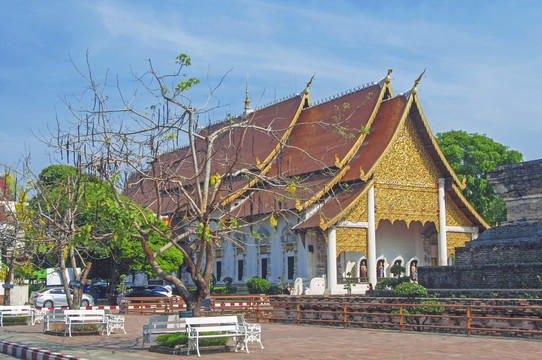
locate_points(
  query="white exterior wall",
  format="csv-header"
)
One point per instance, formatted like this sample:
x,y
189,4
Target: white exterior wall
x,y
276,241
399,242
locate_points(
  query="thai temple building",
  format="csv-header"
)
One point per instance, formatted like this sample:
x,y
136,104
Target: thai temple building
x,y
369,188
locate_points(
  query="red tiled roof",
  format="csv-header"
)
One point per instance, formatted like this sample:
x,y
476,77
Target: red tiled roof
x,y
277,199
380,134
326,131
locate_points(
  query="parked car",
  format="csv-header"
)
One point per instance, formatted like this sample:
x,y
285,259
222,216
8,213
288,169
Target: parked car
x,y
145,291
55,296
163,290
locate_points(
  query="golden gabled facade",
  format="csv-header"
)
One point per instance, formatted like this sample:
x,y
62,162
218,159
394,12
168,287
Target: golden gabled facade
x,y
377,192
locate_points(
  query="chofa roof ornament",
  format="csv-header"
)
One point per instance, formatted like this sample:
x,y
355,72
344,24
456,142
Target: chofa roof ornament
x,y
414,89
306,91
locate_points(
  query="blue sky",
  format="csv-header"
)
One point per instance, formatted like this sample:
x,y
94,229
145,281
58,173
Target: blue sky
x,y
483,58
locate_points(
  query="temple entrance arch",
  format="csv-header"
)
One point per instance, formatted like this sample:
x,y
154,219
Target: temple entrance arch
x,y
397,261
349,262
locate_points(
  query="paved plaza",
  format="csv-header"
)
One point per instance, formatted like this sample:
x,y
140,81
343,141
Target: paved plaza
x,y
289,342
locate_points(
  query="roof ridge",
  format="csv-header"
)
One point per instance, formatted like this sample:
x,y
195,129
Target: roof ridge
x,y
344,93
276,101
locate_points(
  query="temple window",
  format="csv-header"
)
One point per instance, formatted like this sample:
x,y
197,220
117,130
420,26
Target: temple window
x,y
264,268
290,267
240,269
218,270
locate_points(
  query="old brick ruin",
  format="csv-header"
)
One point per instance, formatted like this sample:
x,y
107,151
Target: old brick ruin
x,y
507,256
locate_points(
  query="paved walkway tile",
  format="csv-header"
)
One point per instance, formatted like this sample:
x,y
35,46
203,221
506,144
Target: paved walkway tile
x,y
290,342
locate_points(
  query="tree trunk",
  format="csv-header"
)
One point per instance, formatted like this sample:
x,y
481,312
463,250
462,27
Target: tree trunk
x,y
9,276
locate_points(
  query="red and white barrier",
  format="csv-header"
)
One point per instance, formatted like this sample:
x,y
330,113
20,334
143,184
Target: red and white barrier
x,y
28,353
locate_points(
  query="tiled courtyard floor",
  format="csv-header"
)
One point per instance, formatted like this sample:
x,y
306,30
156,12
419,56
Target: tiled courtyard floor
x,y
291,342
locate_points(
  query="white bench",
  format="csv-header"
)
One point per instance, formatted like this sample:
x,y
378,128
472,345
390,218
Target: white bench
x,y
84,317
224,326
114,322
38,315
52,316
162,324
254,331
12,311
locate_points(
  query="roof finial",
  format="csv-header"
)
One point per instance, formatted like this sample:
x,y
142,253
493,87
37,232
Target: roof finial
x,y
388,78
414,90
309,84
248,110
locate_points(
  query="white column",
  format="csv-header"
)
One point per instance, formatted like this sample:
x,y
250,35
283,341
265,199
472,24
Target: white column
x,y
371,237
442,250
331,258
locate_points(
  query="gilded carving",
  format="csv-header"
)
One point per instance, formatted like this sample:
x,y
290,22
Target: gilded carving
x,y
407,181
359,212
406,162
455,217
354,239
395,202
454,240
351,239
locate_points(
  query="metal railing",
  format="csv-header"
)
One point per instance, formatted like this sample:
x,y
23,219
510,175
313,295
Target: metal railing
x,y
460,318
467,319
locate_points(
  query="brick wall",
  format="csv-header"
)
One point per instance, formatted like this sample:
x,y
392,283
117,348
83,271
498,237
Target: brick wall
x,y
487,276
377,313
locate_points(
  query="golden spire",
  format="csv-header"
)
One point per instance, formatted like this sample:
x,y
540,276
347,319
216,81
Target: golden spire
x,y
248,110
306,91
414,90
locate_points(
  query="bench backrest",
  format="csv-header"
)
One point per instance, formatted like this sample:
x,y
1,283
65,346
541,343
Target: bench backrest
x,y
82,313
167,322
218,320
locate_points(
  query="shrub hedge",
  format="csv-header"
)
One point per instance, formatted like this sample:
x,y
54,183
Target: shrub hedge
x,y
171,340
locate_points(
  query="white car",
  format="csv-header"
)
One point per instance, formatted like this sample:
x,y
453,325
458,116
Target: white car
x,y
55,296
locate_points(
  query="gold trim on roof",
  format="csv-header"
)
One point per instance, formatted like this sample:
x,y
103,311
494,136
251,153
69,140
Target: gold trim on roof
x,y
454,216
369,173
286,134
362,136
351,152
469,206
241,191
266,164
319,194
435,144
325,225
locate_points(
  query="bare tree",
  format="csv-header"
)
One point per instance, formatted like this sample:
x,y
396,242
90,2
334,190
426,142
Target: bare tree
x,y
226,179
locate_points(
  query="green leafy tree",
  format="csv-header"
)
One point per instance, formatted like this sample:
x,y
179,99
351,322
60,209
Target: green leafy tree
x,y
473,156
76,221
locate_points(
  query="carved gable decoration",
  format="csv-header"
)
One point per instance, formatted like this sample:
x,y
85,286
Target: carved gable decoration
x,y
351,239
454,216
407,180
354,239
454,240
